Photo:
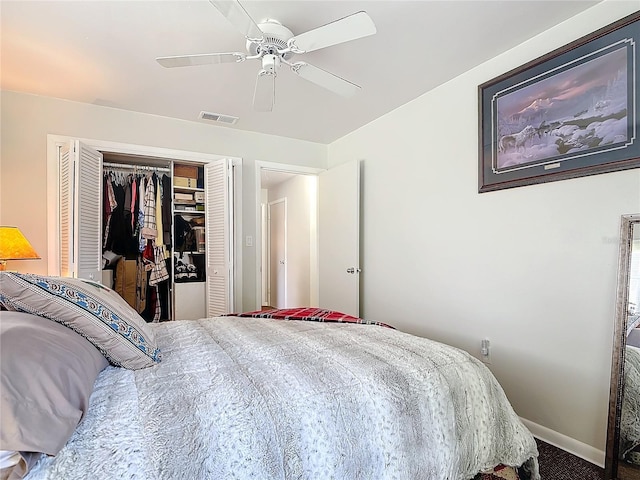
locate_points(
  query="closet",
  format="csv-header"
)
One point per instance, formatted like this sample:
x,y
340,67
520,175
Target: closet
x,y
175,265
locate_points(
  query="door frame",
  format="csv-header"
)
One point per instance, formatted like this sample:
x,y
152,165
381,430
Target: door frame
x,y
297,170
55,142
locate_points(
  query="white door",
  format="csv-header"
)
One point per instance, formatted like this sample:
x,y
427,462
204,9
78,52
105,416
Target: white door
x,y
219,236
278,253
80,211
339,238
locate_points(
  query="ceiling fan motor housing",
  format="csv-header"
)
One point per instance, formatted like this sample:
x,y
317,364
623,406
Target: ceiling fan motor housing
x,y
275,40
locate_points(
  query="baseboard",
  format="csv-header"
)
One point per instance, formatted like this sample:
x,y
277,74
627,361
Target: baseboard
x,y
571,445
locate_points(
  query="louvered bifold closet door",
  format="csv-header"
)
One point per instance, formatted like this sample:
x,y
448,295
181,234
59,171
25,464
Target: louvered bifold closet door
x,y
81,211
66,211
218,218
89,223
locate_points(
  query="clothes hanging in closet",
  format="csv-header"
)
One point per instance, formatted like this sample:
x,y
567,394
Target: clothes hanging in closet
x,y
125,206
132,204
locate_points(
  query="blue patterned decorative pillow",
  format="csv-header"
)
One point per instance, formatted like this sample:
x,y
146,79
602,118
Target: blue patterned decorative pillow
x,y
97,313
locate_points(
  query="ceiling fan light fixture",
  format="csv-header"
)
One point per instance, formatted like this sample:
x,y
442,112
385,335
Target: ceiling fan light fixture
x,y
270,64
218,117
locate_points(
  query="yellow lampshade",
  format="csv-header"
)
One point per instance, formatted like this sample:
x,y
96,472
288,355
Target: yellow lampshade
x,y
13,246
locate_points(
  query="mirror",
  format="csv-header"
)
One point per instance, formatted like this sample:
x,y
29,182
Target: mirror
x,y
623,435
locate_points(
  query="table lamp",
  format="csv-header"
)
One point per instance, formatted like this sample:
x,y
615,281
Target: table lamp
x,y
13,246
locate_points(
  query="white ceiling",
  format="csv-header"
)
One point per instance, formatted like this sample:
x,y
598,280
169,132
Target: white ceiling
x,y
103,52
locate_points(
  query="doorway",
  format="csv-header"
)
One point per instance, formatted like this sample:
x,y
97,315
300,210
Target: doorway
x,y
287,257
327,226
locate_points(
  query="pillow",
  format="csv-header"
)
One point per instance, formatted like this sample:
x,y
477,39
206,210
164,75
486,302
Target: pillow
x,y
94,311
47,372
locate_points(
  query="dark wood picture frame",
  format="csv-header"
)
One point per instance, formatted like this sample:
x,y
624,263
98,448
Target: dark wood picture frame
x,y
567,114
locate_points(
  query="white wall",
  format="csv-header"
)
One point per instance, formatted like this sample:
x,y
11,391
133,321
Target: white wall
x,y
533,268
27,119
300,201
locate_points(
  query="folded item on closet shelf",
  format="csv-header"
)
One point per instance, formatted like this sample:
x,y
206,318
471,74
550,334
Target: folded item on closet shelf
x,y
180,271
183,196
185,182
190,171
192,271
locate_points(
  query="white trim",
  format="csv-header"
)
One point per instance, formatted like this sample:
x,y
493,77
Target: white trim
x,y
53,207
571,445
278,167
53,202
143,150
314,282
236,166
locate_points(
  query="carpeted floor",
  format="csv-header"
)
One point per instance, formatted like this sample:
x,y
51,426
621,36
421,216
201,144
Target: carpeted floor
x,y
556,464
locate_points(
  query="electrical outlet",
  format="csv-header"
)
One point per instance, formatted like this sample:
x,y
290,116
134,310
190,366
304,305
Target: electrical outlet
x,y
485,351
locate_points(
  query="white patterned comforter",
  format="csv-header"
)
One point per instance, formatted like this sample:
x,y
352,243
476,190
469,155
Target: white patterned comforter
x,y
240,398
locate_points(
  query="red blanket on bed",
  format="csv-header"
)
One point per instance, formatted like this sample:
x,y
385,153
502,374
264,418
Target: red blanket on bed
x,y
309,314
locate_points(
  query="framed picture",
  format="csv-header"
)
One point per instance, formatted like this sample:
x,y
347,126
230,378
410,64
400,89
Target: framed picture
x,y
570,113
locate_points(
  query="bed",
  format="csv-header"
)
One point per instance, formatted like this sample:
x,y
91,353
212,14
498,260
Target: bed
x,y
315,397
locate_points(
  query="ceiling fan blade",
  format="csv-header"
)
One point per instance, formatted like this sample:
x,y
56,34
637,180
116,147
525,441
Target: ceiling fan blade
x,y
325,79
239,18
354,26
202,59
265,91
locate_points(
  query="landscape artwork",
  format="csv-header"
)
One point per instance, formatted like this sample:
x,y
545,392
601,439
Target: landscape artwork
x,y
565,115
570,113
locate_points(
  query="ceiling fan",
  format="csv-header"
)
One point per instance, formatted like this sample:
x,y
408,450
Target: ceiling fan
x,y
274,44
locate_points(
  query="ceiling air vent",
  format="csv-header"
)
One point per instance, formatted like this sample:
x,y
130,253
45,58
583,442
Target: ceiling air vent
x,y
218,117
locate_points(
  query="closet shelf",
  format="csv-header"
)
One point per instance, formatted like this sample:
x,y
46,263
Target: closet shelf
x,y
187,189
194,212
